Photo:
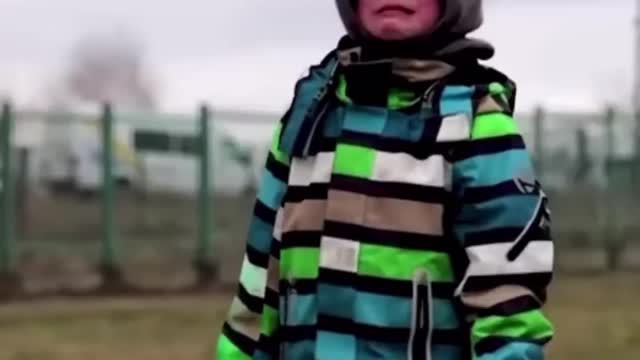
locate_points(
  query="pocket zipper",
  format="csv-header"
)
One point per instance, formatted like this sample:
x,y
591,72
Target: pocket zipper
x,y
421,316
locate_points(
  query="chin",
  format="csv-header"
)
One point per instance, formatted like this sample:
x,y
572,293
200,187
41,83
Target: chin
x,y
393,34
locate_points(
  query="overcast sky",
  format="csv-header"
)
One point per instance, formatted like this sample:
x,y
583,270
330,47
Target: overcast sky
x,y
249,53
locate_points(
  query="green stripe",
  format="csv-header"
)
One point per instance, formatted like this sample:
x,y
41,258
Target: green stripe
x,y
528,325
353,160
493,125
227,350
299,263
275,146
270,320
400,264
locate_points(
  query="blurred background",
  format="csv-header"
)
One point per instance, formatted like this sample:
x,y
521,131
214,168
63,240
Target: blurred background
x,y
122,225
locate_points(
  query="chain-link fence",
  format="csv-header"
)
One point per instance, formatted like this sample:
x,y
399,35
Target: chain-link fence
x,y
161,200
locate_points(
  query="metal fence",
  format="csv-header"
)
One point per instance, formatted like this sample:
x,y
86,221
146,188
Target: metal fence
x,y
122,200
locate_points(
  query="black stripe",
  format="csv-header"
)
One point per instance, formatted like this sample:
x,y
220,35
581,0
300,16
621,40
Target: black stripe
x,y
279,170
295,239
400,240
535,281
406,191
268,344
297,333
487,146
301,287
383,334
252,303
382,286
494,343
511,307
486,193
300,193
503,235
256,257
275,249
418,150
264,213
244,343
272,298
493,236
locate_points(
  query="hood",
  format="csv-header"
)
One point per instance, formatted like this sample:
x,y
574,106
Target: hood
x,y
459,17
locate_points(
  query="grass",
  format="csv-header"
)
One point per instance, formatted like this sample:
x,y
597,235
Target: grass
x,y
596,318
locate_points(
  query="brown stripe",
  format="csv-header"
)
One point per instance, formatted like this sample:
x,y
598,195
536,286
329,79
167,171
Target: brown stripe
x,y
243,320
404,215
273,273
488,105
385,213
488,299
307,215
346,207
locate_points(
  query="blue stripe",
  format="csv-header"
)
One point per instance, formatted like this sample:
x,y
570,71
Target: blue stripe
x,y
381,310
403,126
336,346
457,99
260,235
336,300
516,350
333,122
488,170
261,355
505,212
365,119
271,191
299,310
375,350
299,350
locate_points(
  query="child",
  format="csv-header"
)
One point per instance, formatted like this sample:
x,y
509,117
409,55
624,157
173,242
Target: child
x,y
399,216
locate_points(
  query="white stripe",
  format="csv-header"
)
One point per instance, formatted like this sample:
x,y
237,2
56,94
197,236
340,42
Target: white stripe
x,y
492,259
404,168
316,169
253,278
277,226
339,254
455,128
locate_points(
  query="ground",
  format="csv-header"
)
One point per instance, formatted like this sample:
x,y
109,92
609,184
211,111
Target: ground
x,y
596,318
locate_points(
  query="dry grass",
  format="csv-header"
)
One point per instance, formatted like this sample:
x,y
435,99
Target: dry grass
x,y
596,318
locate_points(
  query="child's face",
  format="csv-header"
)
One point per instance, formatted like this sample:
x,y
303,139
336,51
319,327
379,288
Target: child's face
x,y
392,20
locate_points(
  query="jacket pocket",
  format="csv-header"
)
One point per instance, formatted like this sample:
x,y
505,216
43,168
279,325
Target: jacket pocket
x,y
421,318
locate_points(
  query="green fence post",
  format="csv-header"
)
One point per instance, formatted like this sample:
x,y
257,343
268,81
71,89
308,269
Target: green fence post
x,y
613,245
6,189
204,263
110,271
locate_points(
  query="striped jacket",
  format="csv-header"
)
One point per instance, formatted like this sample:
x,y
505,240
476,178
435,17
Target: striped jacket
x,y
416,233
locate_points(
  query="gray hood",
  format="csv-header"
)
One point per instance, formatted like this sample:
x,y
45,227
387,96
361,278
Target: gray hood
x,y
459,17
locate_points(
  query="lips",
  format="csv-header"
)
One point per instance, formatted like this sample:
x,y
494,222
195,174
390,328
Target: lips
x,y
393,8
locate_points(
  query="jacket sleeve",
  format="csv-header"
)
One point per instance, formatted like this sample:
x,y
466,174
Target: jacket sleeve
x,y
503,223
253,315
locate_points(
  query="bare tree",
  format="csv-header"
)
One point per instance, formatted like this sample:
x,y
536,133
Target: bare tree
x,y
110,67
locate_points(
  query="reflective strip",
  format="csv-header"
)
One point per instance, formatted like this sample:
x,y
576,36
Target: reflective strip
x,y
253,278
455,128
404,168
492,259
339,254
317,169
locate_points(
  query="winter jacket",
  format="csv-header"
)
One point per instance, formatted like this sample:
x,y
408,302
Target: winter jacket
x,y
416,230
